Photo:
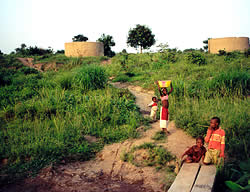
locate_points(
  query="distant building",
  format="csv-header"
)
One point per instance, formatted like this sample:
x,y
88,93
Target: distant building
x,y
228,44
84,49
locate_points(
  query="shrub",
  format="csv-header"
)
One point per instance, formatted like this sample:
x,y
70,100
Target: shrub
x,y
222,52
90,77
196,58
230,56
247,52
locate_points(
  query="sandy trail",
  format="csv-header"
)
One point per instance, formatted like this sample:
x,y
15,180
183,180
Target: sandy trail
x,y
107,172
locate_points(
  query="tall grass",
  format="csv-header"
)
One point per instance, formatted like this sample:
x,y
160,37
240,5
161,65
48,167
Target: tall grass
x,y
205,85
51,124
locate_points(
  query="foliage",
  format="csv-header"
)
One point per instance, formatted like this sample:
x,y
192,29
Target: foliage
x,y
108,42
141,36
222,52
154,156
196,58
31,51
159,136
45,117
247,52
163,47
60,51
79,38
54,110
236,175
206,44
230,56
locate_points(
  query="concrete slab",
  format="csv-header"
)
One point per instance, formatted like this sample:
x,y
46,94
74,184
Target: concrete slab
x,y
205,179
185,178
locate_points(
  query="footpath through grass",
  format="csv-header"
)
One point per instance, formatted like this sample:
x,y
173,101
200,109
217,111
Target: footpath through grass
x,y
45,116
205,85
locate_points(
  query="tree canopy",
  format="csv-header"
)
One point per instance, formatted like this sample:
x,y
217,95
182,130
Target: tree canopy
x,y
141,36
79,38
108,42
206,44
29,51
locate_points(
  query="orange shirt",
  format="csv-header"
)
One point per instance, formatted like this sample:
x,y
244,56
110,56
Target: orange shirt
x,y
216,140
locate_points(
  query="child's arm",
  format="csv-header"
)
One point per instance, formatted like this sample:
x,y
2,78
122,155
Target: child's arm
x,y
171,88
158,87
222,145
150,104
209,133
189,151
203,156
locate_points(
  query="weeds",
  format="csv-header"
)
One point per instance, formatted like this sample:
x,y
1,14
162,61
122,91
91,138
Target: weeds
x,y
45,117
159,136
148,154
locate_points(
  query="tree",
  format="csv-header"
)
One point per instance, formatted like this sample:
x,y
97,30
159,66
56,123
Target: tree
x,y
79,38
25,51
22,50
163,47
60,51
141,36
108,42
206,44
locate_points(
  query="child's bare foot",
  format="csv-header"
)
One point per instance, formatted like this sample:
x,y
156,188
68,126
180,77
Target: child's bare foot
x,y
167,132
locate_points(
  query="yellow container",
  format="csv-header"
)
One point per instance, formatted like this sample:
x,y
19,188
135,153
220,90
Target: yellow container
x,y
164,83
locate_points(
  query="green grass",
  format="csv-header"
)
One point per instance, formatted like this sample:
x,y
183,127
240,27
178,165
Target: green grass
x,y
159,136
205,85
49,113
148,154
46,116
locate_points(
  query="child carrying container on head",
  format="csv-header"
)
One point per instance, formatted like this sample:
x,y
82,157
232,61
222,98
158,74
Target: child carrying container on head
x,y
196,152
164,115
216,142
154,107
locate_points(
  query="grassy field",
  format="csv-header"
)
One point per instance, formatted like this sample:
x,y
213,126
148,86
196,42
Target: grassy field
x,y
45,116
205,85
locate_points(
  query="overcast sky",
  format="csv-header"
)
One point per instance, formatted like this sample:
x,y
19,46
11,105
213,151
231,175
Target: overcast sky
x,y
180,23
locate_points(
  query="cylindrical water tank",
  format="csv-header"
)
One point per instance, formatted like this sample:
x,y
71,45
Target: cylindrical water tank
x,y
84,49
228,44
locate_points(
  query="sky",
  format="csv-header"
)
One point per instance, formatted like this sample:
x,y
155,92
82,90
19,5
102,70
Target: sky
x,y
182,24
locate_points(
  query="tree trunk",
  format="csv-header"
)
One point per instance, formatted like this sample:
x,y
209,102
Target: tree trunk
x,y
141,50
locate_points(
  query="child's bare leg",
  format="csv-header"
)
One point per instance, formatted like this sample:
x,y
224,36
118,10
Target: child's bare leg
x,y
165,131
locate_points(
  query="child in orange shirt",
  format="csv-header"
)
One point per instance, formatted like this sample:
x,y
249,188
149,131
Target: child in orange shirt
x,y
216,142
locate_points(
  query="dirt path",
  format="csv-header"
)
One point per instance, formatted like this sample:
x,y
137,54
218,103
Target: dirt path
x,y
107,172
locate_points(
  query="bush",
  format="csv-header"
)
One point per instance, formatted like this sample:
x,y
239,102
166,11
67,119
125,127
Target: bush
x,y
196,58
230,56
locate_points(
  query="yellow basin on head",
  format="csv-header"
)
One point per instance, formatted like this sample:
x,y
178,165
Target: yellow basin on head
x,y
165,83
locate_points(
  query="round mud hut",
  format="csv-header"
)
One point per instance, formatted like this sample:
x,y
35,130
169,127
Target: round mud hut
x,y
84,49
228,44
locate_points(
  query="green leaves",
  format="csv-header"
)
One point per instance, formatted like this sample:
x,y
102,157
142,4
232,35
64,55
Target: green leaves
x,y
79,38
196,58
108,42
141,36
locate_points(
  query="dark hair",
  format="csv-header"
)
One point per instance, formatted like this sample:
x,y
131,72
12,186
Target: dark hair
x,y
217,119
153,98
201,138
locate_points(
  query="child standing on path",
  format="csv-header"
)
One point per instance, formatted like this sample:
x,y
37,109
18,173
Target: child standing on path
x,y
216,142
196,152
154,108
164,109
